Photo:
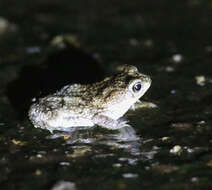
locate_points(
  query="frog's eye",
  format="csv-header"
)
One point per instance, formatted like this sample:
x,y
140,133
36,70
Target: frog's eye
x,y
137,87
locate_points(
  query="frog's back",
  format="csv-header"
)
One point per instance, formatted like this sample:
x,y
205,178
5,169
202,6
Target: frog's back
x,y
72,90
65,108
54,112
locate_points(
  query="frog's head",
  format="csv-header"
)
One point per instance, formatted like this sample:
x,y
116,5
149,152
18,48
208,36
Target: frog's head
x,y
137,87
136,83
128,85
118,93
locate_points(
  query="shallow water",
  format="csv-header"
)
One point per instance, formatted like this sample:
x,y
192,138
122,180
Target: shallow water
x,y
168,147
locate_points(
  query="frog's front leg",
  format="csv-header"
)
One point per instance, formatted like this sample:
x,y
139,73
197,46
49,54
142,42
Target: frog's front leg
x,y
109,123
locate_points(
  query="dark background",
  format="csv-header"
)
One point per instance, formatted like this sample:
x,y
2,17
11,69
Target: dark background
x,y
169,40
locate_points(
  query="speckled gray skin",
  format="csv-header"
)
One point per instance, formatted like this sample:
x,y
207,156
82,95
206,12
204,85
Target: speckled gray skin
x,y
101,103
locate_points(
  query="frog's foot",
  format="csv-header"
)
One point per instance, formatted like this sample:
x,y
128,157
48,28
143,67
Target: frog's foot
x,y
143,104
109,123
127,134
59,135
133,107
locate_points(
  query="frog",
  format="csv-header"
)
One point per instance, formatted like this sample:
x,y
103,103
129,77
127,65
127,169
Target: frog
x,y
101,103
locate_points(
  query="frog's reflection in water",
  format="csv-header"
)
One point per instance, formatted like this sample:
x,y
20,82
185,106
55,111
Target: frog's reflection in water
x,y
124,138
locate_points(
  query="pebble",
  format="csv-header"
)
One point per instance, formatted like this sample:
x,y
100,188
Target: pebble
x,y
64,185
130,175
177,58
177,150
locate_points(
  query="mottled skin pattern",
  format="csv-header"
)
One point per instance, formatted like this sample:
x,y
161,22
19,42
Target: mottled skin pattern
x,y
101,103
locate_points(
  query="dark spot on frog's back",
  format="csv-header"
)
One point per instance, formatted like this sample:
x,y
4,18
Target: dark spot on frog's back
x,y
127,79
70,65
